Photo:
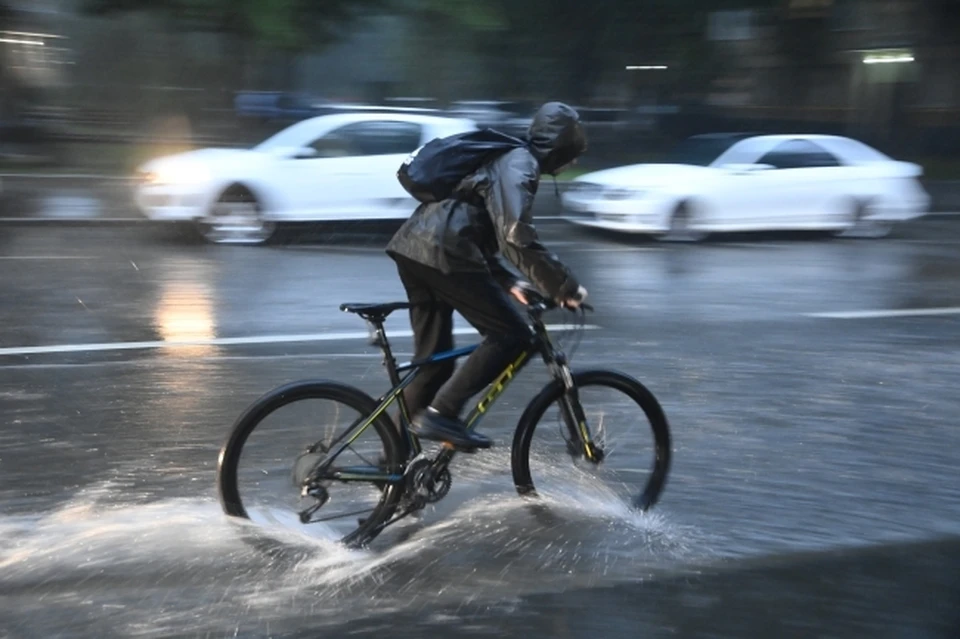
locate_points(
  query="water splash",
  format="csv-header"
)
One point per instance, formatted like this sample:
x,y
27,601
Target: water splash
x,y
168,566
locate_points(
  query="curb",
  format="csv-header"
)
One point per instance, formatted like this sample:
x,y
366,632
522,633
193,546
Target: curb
x,y
137,221
67,176
939,214
143,221
81,221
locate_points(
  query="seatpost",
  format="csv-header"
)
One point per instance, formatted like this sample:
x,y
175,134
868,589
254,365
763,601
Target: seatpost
x,y
380,339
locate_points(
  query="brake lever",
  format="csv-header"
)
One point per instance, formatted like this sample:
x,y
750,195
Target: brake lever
x,y
582,306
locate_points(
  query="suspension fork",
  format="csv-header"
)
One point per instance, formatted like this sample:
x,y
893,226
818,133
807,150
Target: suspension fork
x,y
572,411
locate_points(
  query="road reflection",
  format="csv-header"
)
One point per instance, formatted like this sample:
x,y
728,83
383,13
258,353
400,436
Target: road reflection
x,y
184,315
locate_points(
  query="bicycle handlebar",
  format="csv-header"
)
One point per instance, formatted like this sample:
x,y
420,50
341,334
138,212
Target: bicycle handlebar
x,y
539,304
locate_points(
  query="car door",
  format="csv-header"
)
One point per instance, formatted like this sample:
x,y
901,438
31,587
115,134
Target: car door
x,y
365,183
804,184
310,180
741,191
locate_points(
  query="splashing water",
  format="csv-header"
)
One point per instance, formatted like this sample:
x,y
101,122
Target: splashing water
x,y
99,567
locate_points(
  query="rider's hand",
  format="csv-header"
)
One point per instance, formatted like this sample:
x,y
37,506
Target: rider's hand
x,y
519,289
575,300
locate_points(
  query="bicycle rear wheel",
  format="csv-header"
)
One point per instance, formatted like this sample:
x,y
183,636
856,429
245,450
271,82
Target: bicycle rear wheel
x,y
625,421
265,458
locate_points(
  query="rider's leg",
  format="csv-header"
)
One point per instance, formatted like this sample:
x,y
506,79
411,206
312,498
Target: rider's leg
x,y
505,334
481,301
432,323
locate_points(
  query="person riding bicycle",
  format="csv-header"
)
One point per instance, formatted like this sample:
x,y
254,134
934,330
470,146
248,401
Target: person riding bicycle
x,y
447,259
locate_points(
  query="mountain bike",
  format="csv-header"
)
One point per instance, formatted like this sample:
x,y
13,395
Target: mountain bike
x,y
372,471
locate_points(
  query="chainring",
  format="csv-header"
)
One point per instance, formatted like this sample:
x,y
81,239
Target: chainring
x,y
423,487
441,486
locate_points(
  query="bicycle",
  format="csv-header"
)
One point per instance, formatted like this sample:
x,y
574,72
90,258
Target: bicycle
x,y
403,478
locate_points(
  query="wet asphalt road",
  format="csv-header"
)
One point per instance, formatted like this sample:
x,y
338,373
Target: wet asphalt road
x,y
807,418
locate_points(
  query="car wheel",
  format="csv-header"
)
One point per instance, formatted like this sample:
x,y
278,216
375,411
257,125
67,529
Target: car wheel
x,y
681,220
236,218
862,227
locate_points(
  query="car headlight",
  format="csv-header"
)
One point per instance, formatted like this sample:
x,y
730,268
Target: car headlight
x,y
176,174
583,190
622,194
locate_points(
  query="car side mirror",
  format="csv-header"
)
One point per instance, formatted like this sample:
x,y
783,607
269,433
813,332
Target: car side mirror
x,y
305,153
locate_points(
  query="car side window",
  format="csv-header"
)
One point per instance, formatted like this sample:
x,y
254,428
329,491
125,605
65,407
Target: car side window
x,y
334,144
799,154
387,137
743,152
374,137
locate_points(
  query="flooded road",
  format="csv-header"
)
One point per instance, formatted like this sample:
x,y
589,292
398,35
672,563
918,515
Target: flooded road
x,y
810,385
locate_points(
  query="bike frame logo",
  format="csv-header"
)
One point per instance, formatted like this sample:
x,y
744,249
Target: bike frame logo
x,y
501,383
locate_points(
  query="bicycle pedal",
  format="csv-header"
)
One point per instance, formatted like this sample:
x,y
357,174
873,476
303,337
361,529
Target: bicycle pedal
x,y
469,450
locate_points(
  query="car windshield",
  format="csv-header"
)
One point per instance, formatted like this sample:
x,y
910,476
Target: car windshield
x,y
293,136
702,151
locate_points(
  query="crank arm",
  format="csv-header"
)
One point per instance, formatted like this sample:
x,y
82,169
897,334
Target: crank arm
x,y
409,510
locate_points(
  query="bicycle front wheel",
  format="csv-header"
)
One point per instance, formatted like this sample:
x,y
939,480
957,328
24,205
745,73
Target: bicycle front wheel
x,y
625,421
293,429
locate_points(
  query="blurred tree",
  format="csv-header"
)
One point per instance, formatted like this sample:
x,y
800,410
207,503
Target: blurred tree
x,y
284,24
457,28
285,27
567,48
472,15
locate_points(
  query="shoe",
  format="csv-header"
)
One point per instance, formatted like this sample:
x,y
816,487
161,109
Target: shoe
x,y
431,425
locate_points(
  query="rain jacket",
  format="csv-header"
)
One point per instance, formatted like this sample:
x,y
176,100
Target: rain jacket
x,y
490,212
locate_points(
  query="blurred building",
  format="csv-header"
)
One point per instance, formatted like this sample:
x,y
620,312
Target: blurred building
x,y
879,69
34,66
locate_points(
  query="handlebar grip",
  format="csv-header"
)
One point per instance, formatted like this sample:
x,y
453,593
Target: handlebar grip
x,y
534,298
582,306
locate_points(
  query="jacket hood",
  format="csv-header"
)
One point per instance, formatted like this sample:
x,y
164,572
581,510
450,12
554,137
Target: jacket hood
x,y
556,136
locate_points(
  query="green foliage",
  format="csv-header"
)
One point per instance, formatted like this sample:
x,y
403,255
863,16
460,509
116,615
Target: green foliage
x,y
292,25
475,15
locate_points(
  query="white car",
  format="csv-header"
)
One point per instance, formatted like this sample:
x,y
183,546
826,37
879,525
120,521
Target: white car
x,y
740,182
331,167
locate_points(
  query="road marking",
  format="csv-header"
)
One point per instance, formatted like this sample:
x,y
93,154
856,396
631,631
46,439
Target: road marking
x,y
336,249
215,358
71,176
86,220
616,249
906,312
50,257
231,341
754,245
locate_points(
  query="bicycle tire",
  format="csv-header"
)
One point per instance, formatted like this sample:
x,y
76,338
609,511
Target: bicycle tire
x,y
230,454
635,391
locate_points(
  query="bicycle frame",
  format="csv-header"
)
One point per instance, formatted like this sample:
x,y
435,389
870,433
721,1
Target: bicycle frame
x,y
540,343
497,387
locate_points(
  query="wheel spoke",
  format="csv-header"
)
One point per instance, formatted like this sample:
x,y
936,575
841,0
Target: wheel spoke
x,y
236,222
273,437
362,458
623,422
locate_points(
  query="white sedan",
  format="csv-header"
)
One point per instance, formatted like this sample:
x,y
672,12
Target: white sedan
x,y
332,167
739,182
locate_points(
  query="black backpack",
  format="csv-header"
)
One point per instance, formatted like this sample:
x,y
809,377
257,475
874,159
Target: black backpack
x,y
433,171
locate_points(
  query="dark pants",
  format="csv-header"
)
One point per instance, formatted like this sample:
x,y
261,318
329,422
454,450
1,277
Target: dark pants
x,y
434,296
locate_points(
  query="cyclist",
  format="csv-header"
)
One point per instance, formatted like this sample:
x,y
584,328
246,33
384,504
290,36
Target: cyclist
x,y
446,256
